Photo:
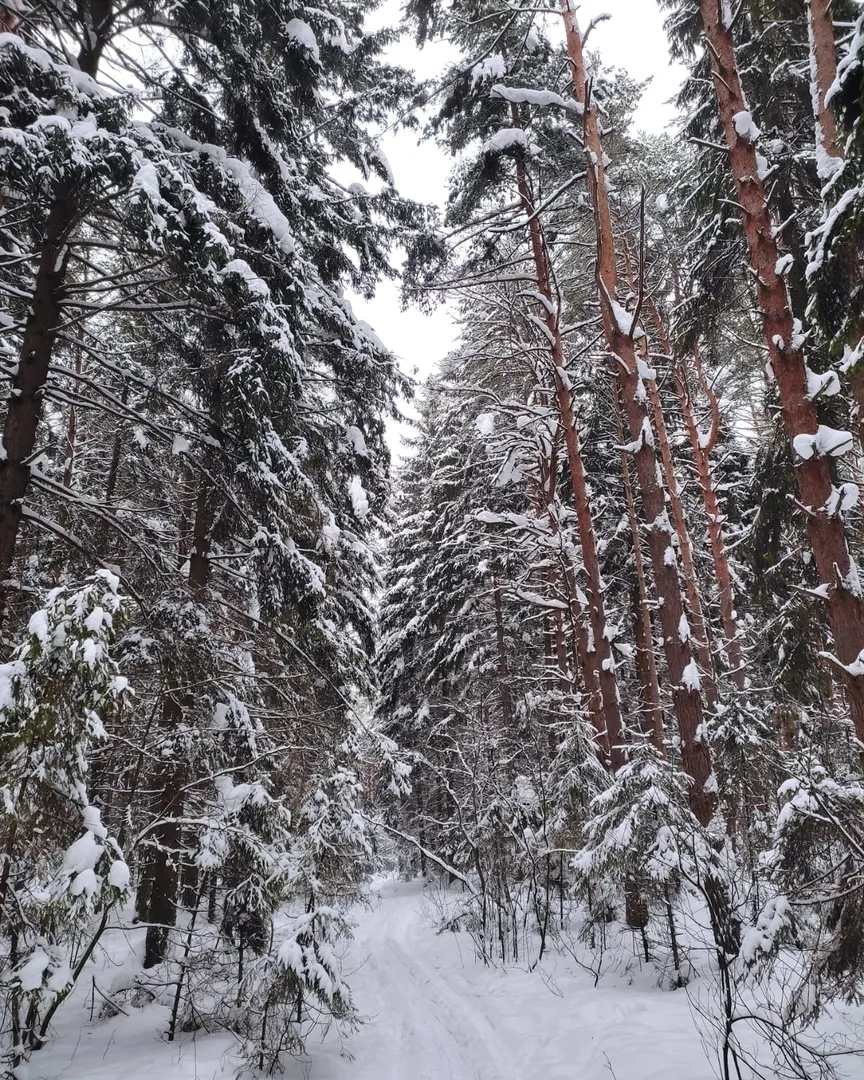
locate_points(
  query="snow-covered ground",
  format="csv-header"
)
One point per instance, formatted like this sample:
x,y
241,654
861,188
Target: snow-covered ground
x,y
432,1013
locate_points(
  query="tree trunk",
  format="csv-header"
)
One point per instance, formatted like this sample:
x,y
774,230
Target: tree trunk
x,y
503,685
24,405
160,891
826,531
686,692
159,881
823,71
700,631
702,456
646,663
600,647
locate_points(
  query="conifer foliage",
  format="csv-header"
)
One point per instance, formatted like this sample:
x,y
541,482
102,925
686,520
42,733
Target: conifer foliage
x,y
194,415
594,656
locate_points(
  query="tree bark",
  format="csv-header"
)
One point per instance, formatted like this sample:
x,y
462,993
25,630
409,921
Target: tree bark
x,y
826,531
24,405
600,647
646,662
701,450
160,886
686,693
503,684
823,71
700,631
42,326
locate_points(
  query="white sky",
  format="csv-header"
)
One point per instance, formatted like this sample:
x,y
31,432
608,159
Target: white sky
x,y
633,39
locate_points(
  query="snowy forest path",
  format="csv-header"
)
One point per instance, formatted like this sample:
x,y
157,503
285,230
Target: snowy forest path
x,y
430,1012
441,1032
435,1013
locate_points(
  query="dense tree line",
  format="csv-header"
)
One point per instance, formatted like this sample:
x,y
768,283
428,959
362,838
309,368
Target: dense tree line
x,y
192,479
597,656
622,625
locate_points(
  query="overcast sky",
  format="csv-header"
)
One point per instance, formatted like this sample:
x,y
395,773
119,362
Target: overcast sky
x,y
633,39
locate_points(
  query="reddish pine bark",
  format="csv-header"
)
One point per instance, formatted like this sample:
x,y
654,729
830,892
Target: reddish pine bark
x,y
544,501
702,456
829,153
600,650
685,693
701,637
823,71
826,532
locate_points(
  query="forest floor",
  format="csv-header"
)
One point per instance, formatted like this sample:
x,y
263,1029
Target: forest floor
x,y
431,1013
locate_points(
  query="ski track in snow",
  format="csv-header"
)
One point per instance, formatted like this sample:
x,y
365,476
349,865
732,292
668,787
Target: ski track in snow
x,y
431,1013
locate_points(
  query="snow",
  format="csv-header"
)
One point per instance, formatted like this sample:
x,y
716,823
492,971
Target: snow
x,y
259,202
822,384
850,61
31,972
761,937
82,82
624,319
764,168
359,498
507,137
147,180
520,95
38,625
826,228
492,67
745,128
485,423
645,438
118,874
240,268
304,35
842,498
827,441
690,676
432,1013
357,440
784,264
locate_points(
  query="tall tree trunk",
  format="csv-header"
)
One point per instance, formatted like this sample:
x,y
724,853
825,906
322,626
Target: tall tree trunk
x,y
826,531
646,662
700,630
41,328
24,405
823,71
544,504
619,332
600,645
159,879
701,449
503,674
59,560
159,890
